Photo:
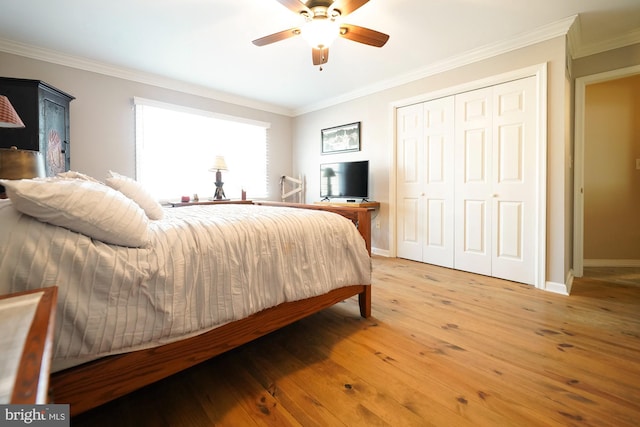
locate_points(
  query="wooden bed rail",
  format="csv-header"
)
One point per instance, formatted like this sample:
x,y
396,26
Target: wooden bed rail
x,y
86,386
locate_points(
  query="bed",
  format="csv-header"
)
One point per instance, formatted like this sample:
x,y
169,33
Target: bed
x,y
129,316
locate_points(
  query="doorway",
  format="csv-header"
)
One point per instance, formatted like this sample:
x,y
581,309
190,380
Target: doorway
x,y
607,178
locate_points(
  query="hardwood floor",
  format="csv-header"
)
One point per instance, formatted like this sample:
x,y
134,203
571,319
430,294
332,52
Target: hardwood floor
x,y
620,275
442,348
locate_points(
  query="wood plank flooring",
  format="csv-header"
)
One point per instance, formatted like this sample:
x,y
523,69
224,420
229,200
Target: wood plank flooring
x,y
621,275
443,348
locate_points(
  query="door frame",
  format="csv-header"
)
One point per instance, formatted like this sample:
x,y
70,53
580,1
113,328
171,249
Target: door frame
x,y
539,71
578,171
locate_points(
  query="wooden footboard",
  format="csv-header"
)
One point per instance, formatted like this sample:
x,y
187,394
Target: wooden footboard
x,y
95,383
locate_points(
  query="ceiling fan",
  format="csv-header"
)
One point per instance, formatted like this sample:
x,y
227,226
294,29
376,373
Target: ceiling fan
x,y
322,26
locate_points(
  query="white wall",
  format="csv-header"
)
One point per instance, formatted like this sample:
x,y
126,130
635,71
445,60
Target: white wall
x,y
102,118
307,157
375,113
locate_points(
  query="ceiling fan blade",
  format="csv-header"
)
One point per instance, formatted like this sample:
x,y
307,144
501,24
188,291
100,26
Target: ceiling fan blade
x,y
347,6
363,35
294,5
282,35
320,56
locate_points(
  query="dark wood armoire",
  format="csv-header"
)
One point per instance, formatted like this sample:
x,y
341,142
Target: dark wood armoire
x,y
45,113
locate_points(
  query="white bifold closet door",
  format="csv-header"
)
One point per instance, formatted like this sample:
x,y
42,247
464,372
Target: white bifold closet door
x,y
495,181
466,181
425,144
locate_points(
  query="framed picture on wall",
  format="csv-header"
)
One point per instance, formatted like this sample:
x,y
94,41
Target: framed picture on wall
x,y
341,139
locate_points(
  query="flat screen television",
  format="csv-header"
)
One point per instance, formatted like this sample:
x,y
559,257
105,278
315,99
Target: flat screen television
x,y
349,180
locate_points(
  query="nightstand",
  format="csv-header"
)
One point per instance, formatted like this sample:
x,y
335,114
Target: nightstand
x,y
26,341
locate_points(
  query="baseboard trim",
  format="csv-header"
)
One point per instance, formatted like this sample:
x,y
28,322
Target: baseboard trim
x,y
611,262
381,252
560,288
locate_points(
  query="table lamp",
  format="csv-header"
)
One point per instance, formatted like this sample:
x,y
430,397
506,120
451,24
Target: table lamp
x,y
19,164
14,163
219,165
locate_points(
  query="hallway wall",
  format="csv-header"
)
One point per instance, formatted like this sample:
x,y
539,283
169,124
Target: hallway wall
x,y
612,181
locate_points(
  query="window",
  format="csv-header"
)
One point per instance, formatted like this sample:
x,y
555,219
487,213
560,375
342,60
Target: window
x,y
176,147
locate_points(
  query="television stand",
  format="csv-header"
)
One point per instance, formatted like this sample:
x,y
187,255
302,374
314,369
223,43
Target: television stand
x,y
364,204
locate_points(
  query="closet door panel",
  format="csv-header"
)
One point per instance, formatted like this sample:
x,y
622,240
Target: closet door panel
x,y
474,230
514,188
510,163
410,178
438,186
473,157
510,234
436,224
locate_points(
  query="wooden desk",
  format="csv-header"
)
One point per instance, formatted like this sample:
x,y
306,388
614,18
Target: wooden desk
x,y
369,205
27,336
211,202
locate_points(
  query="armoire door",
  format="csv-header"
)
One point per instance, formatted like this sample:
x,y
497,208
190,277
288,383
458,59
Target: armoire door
x,y
425,138
495,184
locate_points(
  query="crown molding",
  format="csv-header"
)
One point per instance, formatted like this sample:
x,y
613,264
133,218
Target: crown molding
x,y
574,36
581,50
547,32
55,57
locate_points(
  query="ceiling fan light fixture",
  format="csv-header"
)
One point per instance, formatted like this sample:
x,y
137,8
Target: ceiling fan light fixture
x,y
323,23
320,32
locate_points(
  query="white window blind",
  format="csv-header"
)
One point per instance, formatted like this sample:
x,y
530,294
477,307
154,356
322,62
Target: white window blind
x,y
176,147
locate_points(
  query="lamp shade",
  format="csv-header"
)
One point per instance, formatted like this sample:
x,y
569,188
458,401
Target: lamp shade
x,y
9,118
20,164
219,164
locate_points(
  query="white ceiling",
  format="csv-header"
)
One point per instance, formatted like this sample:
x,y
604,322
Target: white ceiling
x,y
208,42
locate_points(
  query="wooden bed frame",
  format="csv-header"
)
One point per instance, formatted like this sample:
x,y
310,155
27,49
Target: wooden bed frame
x,y
95,383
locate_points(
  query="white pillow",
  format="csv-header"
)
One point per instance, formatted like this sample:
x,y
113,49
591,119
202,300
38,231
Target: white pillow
x,y
86,207
136,192
75,175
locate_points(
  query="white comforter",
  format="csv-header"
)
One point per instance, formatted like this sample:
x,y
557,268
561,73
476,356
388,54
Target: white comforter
x,y
205,266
